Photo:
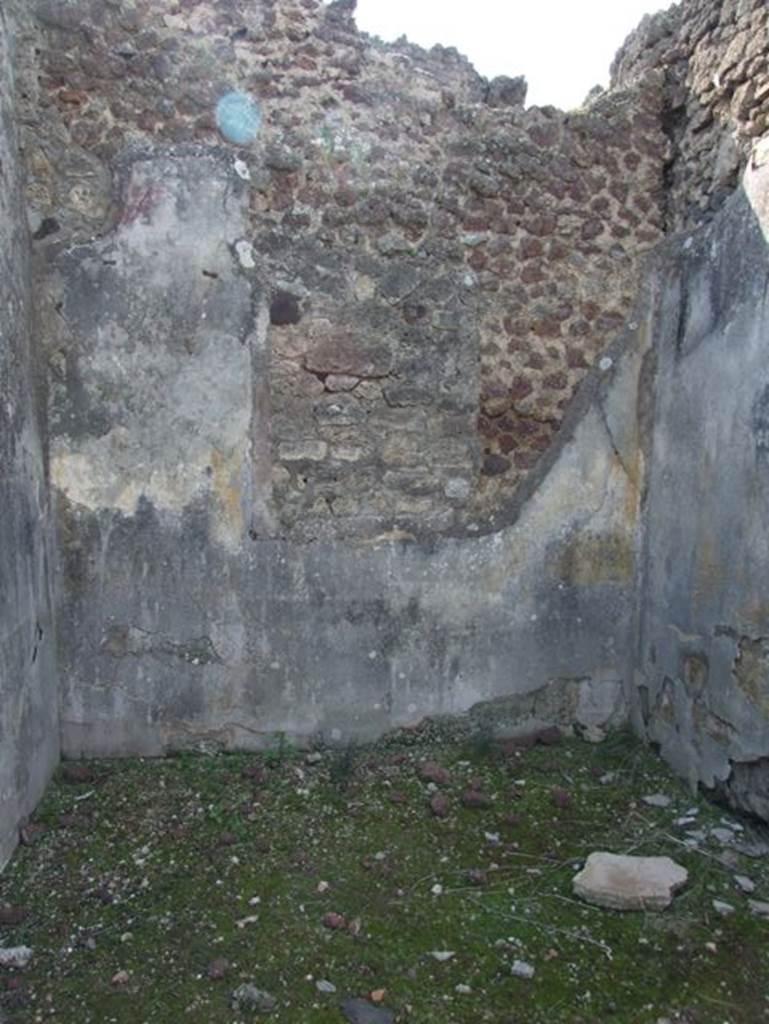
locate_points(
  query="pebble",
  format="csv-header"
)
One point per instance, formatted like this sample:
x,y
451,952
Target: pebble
x,y
657,800
722,835
437,889
15,956
249,997
218,968
335,921
561,798
439,805
759,908
476,800
442,955
521,969
463,990
121,978
325,986
745,883
722,908
431,771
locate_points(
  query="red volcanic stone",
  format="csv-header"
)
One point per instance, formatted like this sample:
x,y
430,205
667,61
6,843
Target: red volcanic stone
x,y
476,800
343,353
529,248
575,359
478,259
557,251
590,310
431,771
526,460
540,443
547,327
514,326
439,805
543,225
336,922
560,798
556,381
579,329
218,968
533,273
520,388
591,229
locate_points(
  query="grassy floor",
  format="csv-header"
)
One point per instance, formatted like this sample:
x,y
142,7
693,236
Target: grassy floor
x,y
150,876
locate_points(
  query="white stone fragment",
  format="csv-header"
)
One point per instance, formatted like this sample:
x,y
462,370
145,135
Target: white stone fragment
x,y
745,883
629,883
521,969
759,908
15,956
657,800
245,252
442,955
722,835
241,169
325,986
723,909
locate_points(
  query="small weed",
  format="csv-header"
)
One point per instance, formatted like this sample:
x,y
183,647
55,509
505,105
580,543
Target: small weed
x,y
342,766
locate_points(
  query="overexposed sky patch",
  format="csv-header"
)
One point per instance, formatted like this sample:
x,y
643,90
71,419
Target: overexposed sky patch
x,y
563,47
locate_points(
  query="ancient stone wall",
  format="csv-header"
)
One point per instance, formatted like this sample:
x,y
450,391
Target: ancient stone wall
x,y
712,58
28,693
351,418
444,266
702,685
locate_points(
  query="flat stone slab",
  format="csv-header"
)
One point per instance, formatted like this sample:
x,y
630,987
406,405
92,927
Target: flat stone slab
x,y
360,1011
629,883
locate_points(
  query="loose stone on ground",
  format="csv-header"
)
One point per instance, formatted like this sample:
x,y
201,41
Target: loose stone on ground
x,y
621,882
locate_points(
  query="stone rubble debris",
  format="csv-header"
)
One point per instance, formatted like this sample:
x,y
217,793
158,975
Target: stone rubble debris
x,y
621,882
521,969
249,997
15,956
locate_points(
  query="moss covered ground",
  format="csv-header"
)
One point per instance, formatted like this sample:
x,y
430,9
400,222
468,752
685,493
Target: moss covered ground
x,y
150,889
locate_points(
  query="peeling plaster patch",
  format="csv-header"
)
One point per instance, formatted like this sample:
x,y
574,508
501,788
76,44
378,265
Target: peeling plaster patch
x,y
245,253
751,672
162,353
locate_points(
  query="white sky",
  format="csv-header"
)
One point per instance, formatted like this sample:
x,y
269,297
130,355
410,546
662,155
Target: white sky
x,y
563,47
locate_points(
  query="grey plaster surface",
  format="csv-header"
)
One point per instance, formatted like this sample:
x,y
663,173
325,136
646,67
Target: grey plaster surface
x,y
702,689
186,621
28,694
